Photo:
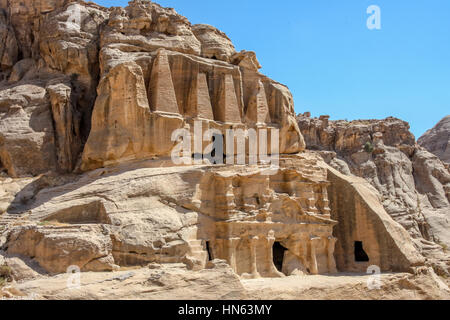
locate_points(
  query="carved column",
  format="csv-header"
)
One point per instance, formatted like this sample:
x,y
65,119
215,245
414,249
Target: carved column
x,y
273,271
304,252
232,245
331,260
325,201
254,268
314,243
311,200
229,199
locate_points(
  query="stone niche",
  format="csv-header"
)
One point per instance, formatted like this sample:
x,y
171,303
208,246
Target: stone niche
x,y
267,225
141,103
367,234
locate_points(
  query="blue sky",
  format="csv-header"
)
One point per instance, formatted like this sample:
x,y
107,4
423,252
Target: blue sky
x,y
333,64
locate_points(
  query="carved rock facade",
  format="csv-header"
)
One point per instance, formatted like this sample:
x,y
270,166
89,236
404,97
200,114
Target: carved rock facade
x,y
89,100
412,182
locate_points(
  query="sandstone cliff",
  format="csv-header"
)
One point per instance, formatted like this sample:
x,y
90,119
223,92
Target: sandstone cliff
x,y
89,99
413,183
437,140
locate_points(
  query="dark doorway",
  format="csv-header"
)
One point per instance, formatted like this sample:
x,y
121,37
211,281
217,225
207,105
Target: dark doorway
x,y
217,155
208,249
2,168
278,255
360,254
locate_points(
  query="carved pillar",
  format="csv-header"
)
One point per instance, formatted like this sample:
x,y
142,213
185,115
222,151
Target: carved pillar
x,y
311,200
212,249
229,198
331,261
314,243
232,245
273,271
325,201
304,253
258,109
254,268
228,109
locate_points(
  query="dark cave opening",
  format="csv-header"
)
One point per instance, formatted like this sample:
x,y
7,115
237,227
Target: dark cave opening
x,y
3,170
278,255
360,254
208,249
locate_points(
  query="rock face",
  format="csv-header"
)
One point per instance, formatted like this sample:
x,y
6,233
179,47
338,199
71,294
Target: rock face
x,y
178,72
437,140
49,76
90,99
263,226
413,183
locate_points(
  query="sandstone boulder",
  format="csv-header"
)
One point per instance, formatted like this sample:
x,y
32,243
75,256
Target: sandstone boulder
x,y
27,145
215,44
57,248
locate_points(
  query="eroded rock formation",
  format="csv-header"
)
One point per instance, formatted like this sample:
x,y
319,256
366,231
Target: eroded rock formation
x,y
437,140
89,100
413,183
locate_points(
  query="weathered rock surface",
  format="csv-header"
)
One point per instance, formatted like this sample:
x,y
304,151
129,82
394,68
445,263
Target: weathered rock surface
x,y
27,141
412,182
89,100
156,282
9,50
170,282
437,140
79,52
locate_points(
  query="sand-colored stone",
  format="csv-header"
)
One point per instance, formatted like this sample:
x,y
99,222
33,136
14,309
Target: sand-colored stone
x,y
120,121
228,108
9,50
56,248
215,44
363,218
437,140
258,109
67,126
413,183
86,180
161,90
199,99
27,141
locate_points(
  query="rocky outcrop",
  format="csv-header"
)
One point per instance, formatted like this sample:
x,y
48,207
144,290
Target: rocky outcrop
x,y
80,53
218,282
437,140
413,183
119,131
49,77
89,104
215,44
137,214
27,141
9,51
364,220
56,248
189,73
67,121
